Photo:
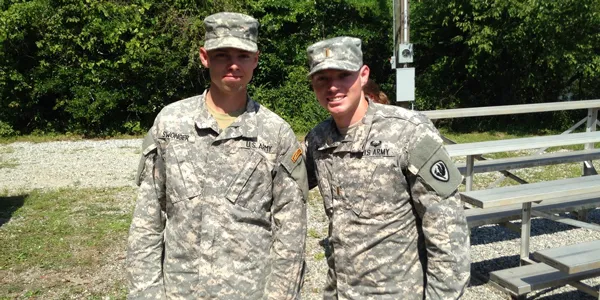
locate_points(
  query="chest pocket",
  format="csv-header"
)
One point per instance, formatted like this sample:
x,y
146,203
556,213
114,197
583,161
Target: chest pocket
x,y
374,187
251,187
182,181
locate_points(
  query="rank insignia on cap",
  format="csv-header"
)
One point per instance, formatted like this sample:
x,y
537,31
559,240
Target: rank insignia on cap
x,y
440,171
327,52
296,155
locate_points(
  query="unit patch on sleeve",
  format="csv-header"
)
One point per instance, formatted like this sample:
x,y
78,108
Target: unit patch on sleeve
x,y
439,171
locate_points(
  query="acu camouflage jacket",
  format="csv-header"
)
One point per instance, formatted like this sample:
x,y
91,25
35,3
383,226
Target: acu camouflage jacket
x,y
397,229
220,214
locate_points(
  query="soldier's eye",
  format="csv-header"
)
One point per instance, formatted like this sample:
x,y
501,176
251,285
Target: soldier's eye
x,y
343,75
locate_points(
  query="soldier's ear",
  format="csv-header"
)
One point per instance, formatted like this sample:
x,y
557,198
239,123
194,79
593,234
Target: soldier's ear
x,y
363,73
256,55
204,57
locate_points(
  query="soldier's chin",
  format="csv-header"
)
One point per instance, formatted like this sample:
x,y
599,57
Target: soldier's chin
x,y
238,87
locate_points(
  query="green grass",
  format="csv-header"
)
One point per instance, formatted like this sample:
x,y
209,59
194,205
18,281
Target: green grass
x,y
7,164
10,164
53,224
319,256
474,137
313,233
6,150
68,233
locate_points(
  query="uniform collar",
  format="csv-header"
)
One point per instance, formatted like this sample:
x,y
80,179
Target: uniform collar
x,y
354,141
245,125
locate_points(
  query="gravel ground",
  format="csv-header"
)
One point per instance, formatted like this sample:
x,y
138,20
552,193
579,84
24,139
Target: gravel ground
x,y
112,163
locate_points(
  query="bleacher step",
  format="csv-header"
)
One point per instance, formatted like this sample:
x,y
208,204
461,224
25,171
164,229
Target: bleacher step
x,y
479,216
529,278
533,192
492,165
572,259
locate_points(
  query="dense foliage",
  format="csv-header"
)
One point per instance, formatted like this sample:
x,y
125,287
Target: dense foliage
x,y
499,52
106,66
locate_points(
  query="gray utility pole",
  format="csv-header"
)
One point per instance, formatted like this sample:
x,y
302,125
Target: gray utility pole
x,y
403,53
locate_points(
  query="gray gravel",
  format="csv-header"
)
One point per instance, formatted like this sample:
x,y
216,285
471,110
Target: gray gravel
x,y
105,163
112,163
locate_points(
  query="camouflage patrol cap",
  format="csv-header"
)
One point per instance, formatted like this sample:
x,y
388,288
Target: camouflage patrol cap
x,y
339,53
231,30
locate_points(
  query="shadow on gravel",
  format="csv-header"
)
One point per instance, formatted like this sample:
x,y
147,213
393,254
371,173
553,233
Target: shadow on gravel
x,y
562,296
496,233
480,271
8,205
480,276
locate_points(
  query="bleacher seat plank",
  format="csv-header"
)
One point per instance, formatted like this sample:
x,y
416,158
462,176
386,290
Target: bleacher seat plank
x,y
572,259
509,109
533,192
480,216
529,278
486,147
493,165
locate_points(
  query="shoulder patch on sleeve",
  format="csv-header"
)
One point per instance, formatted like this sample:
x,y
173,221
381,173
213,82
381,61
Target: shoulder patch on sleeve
x,y
296,155
292,159
293,163
430,162
148,146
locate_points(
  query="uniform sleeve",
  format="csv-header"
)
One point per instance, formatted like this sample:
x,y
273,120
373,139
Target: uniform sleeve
x,y
290,191
310,165
433,180
145,242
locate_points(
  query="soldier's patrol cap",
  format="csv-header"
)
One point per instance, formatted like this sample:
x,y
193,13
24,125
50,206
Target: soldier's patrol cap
x,y
231,30
338,53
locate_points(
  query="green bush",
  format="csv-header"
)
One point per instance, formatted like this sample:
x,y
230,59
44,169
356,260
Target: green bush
x,y
107,67
6,130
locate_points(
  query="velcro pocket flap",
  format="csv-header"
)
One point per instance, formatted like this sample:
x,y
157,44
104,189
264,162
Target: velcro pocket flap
x,y
435,167
242,178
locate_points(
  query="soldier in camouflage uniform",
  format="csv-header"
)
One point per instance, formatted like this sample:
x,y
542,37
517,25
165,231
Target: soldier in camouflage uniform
x,y
397,229
221,210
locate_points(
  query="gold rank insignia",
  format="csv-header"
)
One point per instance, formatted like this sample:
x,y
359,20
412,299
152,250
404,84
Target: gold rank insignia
x,y
327,52
296,155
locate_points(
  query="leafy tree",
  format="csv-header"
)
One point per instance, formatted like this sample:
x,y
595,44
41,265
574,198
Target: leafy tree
x,y
108,66
482,52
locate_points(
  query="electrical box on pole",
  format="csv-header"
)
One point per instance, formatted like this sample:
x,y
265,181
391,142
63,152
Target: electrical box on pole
x,y
403,53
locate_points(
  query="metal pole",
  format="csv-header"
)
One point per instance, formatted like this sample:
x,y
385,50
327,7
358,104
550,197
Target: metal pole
x,y
397,32
403,53
525,230
405,26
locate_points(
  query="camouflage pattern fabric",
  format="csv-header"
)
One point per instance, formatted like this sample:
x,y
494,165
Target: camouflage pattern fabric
x,y
230,30
339,53
221,214
397,228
